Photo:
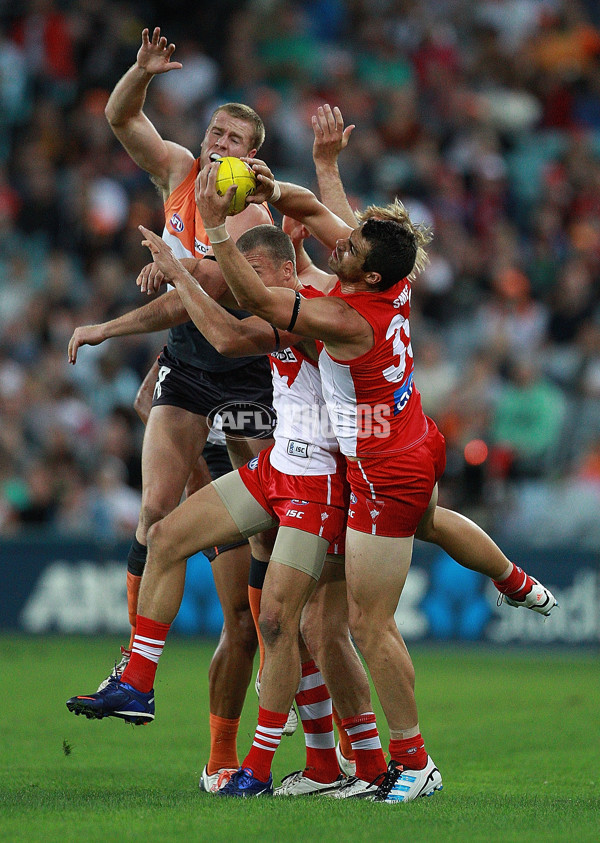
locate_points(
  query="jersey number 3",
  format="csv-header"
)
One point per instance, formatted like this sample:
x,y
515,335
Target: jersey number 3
x,y
398,327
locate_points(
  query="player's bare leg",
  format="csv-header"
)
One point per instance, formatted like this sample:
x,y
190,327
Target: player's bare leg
x,y
231,666
472,548
376,570
241,450
333,657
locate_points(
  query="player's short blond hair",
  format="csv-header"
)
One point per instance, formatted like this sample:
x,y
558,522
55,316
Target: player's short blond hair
x,y
396,212
249,115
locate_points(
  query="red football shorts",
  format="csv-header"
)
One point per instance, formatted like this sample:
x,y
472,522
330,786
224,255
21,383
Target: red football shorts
x,y
389,494
316,504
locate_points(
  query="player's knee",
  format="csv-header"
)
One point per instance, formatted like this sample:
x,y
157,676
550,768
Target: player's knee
x,y
273,625
239,629
159,542
152,512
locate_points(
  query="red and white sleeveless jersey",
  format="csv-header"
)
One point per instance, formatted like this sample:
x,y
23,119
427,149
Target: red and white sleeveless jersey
x,y
373,404
304,440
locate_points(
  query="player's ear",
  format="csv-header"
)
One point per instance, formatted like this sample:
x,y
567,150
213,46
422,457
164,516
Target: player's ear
x,y
251,154
288,269
373,279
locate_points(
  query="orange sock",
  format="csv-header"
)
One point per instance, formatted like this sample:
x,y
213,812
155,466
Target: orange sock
x,y
133,590
345,745
254,600
223,744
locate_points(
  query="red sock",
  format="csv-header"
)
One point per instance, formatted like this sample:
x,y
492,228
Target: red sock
x,y
314,708
517,584
410,752
266,740
363,734
147,647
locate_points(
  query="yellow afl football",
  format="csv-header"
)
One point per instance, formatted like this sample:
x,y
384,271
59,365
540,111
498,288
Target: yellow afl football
x,y
235,171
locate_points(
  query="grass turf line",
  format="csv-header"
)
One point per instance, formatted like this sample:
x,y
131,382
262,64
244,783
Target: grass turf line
x,y
515,735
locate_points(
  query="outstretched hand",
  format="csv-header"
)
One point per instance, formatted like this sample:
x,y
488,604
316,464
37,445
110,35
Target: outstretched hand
x,y
84,335
154,56
162,254
330,135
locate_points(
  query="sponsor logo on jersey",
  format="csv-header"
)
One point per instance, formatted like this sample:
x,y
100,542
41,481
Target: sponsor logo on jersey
x,y
199,246
177,223
286,355
404,296
402,394
297,449
253,463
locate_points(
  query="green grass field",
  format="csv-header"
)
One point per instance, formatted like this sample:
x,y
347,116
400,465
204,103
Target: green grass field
x,y
515,734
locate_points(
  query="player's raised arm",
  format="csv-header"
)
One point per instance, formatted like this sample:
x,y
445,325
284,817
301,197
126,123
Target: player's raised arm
x,y
230,336
329,319
299,203
167,162
330,139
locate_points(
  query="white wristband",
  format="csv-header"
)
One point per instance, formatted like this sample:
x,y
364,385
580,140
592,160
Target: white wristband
x,y
218,234
276,195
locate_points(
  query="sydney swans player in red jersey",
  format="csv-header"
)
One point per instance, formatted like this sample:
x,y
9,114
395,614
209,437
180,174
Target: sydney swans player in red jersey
x,y
394,454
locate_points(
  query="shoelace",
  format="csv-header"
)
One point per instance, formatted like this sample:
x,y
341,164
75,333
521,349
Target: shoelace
x,y
388,780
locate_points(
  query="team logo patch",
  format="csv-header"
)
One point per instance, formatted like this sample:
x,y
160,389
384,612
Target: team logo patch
x,y
296,501
353,497
375,508
177,223
253,463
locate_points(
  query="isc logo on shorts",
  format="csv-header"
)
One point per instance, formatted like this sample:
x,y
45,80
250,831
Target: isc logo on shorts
x,y
177,223
253,463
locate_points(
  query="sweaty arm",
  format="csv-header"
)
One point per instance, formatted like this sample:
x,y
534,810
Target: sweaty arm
x,y
345,332
294,201
167,162
164,312
229,336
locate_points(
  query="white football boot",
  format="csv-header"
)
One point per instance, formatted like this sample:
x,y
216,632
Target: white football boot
x,y
215,781
539,599
411,784
354,788
347,766
297,784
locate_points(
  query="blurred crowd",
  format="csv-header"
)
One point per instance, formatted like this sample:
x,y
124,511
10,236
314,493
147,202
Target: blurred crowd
x,y
484,118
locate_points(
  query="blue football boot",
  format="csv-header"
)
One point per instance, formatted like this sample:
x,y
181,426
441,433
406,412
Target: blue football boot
x,y
243,783
116,700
